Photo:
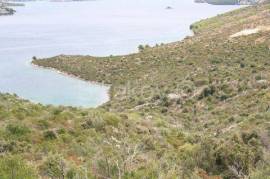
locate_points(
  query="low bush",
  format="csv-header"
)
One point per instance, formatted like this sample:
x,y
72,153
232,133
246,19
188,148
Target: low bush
x,y
13,167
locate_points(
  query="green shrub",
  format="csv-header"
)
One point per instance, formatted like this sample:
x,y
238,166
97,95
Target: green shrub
x,y
228,156
140,102
140,48
111,119
87,124
207,91
17,130
43,124
53,167
263,172
99,124
50,135
247,137
13,167
71,174
7,146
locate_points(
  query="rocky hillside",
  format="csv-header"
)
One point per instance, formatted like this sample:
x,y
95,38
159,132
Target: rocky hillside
x,y
198,108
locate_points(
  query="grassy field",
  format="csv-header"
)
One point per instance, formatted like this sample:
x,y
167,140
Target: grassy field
x,y
198,108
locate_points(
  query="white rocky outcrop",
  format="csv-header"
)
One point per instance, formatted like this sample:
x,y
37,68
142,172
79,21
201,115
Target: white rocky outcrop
x,y
246,32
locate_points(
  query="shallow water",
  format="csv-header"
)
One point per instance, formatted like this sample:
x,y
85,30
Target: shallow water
x,y
100,28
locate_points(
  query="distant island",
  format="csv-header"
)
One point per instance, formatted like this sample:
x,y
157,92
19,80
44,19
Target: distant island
x,y
5,8
231,2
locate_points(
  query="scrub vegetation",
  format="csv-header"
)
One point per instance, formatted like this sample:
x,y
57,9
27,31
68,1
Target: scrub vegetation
x,y
198,108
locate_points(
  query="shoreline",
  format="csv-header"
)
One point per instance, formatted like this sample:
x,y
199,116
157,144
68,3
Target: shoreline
x,y
69,75
108,91
95,82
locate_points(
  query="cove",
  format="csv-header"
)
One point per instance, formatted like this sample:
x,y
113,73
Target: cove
x,y
99,28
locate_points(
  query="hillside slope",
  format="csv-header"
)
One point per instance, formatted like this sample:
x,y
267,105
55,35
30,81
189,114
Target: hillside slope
x,y
198,108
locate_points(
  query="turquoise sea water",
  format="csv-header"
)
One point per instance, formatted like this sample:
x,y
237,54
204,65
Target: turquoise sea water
x,y
100,28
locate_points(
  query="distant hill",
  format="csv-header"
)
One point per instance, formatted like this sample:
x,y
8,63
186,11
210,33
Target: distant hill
x,y
231,2
222,2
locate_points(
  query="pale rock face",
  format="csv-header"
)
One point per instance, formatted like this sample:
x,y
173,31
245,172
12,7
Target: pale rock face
x,y
246,32
173,96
